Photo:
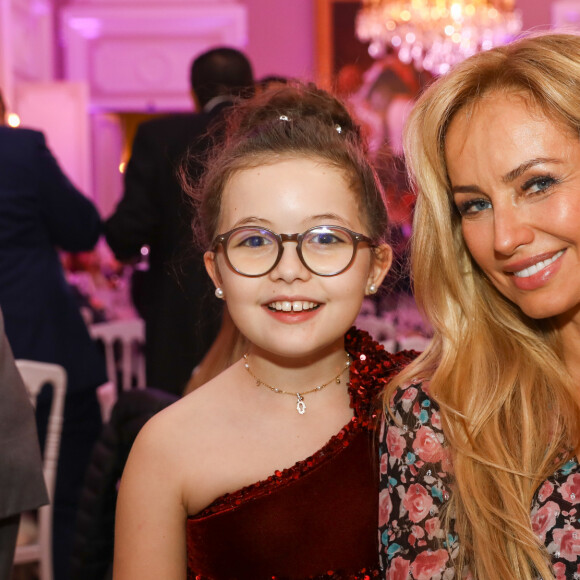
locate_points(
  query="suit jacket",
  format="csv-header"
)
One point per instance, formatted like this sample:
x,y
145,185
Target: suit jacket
x,y
182,315
21,480
41,211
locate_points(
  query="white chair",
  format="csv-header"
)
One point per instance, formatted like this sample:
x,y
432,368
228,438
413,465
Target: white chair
x,y
35,375
130,334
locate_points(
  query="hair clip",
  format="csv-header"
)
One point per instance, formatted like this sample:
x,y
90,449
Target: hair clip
x,y
338,128
284,118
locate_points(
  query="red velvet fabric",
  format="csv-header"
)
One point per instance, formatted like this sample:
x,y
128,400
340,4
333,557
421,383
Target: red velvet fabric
x,y
324,521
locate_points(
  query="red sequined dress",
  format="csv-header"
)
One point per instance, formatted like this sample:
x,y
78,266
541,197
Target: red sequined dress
x,y
316,519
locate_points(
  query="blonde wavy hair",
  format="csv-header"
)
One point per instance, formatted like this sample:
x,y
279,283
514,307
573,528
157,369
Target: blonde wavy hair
x,y
506,399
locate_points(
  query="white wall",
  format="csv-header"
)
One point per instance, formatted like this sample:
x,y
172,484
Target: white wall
x,y
281,37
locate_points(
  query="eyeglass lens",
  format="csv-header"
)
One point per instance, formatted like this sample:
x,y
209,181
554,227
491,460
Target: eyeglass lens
x,y
325,250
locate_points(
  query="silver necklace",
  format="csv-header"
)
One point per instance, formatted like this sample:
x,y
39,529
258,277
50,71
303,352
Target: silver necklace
x,y
300,403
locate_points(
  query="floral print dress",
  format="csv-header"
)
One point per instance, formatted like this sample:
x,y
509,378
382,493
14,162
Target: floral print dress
x,y
416,484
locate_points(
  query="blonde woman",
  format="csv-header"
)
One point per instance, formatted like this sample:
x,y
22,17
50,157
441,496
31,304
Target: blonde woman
x,y
479,470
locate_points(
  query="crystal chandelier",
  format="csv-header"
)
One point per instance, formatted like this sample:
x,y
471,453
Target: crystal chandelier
x,y
436,34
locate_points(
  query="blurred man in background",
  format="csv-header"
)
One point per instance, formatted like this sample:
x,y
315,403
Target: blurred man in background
x,y
181,314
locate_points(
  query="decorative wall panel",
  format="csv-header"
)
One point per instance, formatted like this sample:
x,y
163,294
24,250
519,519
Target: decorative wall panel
x,y
138,58
59,109
32,40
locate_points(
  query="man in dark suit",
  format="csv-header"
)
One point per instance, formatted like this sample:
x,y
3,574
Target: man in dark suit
x,y
41,212
22,485
181,314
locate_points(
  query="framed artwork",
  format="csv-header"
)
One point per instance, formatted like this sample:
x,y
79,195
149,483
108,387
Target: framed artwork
x,y
336,41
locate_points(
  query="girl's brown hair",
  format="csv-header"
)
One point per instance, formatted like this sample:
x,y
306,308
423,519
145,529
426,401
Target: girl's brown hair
x,y
292,121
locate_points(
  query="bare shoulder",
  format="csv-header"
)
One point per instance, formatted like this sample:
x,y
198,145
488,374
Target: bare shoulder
x,y
198,413
194,415
183,443
151,511
171,473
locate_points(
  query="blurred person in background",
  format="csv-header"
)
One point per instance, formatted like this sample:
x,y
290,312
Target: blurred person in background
x,y
42,212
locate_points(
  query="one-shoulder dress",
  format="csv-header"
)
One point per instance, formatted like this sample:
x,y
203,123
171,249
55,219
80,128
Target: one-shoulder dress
x,y
316,519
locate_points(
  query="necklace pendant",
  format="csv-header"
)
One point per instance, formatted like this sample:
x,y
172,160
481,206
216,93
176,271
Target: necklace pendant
x,y
300,404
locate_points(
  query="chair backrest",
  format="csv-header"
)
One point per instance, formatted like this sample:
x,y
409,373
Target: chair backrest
x,y
35,375
130,335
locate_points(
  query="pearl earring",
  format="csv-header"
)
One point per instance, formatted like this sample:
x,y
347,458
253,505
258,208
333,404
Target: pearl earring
x,y
219,293
372,289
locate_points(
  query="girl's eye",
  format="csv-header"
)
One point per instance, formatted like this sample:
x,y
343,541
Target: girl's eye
x,y
539,184
326,236
472,206
324,239
255,241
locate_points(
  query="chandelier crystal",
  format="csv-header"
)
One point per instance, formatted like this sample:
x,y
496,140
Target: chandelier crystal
x,y
436,34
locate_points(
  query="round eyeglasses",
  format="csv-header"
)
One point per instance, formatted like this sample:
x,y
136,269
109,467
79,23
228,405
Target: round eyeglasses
x,y
325,250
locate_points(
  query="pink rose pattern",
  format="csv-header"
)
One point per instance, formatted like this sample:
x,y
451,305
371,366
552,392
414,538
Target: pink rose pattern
x,y
416,478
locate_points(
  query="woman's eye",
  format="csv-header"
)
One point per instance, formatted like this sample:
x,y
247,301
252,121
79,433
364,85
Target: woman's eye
x,y
472,206
539,184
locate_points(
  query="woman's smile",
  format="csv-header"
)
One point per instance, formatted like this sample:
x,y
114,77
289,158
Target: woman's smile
x,y
515,179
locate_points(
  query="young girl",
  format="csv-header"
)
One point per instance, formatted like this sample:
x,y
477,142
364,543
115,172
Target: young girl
x,y
268,470
480,450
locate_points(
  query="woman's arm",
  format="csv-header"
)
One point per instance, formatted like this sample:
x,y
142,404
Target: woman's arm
x,y
415,487
150,540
